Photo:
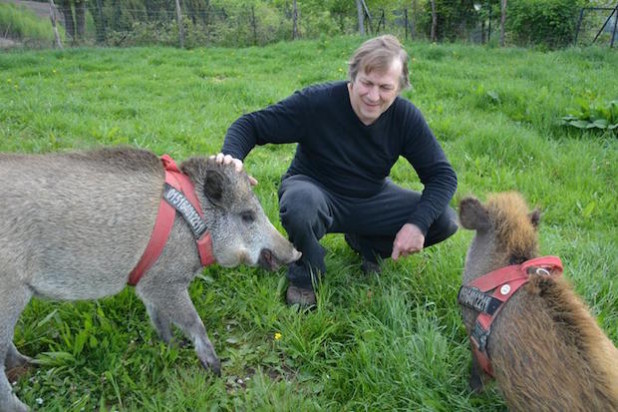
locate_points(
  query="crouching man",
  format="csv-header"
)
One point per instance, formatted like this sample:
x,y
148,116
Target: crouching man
x,y
349,134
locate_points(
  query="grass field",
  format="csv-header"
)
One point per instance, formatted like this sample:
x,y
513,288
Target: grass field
x,y
393,342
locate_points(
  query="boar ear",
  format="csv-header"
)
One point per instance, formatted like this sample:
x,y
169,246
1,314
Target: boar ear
x,y
473,215
535,218
213,186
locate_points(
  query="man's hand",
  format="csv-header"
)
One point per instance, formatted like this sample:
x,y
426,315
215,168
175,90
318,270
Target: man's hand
x,y
409,240
227,159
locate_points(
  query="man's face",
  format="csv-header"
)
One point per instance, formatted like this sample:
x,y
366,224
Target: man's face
x,y
371,94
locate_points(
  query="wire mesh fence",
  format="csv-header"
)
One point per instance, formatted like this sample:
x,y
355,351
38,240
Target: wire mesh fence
x,y
197,23
241,26
597,25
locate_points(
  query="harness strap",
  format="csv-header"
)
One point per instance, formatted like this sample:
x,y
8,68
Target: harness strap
x,y
504,282
165,221
184,184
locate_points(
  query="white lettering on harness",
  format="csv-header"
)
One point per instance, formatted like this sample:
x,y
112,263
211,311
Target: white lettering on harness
x,y
474,298
179,202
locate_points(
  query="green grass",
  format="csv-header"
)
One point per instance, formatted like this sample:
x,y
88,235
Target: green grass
x,y
19,23
394,342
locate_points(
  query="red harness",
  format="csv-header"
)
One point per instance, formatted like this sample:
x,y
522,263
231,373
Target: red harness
x,y
165,221
504,282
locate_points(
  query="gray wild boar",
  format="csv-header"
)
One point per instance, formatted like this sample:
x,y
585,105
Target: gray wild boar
x,y
74,225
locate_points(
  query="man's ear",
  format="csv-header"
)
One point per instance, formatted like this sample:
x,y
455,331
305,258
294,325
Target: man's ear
x,y
213,186
473,215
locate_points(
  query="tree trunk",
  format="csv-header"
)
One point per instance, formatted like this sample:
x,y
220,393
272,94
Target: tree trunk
x,y
80,18
99,21
294,20
361,17
502,21
413,19
434,21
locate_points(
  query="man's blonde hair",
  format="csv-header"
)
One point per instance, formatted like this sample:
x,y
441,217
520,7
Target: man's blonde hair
x,y
378,54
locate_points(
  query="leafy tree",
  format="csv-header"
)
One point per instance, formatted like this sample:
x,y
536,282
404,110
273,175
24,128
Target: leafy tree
x,y
453,18
548,22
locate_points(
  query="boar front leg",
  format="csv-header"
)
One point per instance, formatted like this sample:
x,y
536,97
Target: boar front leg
x,y
14,359
161,323
176,306
476,376
14,299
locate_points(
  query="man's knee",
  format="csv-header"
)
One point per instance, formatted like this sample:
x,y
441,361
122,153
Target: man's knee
x,y
301,209
443,228
296,208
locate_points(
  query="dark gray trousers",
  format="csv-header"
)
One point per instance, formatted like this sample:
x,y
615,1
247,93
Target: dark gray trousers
x,y
308,211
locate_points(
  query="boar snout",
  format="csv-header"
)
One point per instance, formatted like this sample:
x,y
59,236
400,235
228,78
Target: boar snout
x,y
270,261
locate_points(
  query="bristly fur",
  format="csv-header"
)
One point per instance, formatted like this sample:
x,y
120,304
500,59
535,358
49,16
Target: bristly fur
x,y
513,228
74,225
547,351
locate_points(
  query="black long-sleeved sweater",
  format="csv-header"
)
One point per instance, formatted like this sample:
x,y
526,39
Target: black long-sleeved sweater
x,y
346,156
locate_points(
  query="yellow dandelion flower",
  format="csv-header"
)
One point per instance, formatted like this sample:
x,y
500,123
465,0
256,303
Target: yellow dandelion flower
x,y
277,336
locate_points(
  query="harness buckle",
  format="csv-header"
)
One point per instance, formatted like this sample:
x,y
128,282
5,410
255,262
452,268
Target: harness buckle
x,y
542,272
479,337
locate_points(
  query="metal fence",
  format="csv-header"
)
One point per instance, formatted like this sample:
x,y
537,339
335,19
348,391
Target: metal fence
x,y
597,25
226,27
109,23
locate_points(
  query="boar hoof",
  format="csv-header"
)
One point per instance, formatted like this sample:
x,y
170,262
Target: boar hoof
x,y
214,366
476,383
17,372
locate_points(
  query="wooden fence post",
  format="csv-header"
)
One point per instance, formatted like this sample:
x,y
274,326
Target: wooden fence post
x,y
488,22
52,16
434,22
361,18
181,34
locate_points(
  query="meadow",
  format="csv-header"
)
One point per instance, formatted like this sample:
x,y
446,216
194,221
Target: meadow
x,y
380,343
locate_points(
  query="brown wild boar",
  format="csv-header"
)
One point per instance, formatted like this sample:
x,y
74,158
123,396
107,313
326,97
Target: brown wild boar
x,y
74,225
546,351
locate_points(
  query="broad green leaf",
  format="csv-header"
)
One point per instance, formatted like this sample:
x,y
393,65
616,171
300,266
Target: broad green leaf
x,y
580,124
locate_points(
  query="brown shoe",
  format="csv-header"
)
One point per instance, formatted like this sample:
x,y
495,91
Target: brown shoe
x,y
305,298
370,268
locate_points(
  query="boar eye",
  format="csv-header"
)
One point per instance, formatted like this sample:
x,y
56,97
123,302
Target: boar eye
x,y
247,217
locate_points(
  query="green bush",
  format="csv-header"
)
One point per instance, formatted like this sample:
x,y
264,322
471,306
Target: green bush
x,y
591,116
551,23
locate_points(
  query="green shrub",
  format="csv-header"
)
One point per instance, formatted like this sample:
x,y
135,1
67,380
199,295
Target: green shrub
x,y
550,23
591,116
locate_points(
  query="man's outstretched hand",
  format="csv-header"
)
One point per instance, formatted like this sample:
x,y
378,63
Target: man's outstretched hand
x,y
227,159
409,240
